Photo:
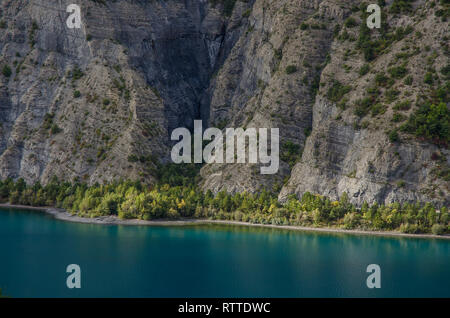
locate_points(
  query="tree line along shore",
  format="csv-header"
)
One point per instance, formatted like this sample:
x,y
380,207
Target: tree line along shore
x,y
176,197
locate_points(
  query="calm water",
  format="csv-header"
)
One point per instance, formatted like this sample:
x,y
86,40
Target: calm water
x,y
211,261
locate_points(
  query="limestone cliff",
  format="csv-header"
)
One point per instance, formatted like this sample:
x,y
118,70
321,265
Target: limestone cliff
x,y
99,103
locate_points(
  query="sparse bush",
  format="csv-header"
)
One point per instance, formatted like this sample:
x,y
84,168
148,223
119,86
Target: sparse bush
x,y
247,13
55,129
6,71
430,122
133,158
401,6
364,69
405,105
337,91
398,71
291,69
397,117
290,153
391,95
76,73
446,71
362,106
428,78
381,79
401,183
378,109
393,136
408,81
48,120
350,22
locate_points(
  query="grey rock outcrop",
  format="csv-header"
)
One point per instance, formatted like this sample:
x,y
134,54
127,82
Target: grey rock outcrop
x,y
99,103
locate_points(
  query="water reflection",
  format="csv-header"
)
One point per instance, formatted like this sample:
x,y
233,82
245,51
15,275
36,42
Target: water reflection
x,y
212,260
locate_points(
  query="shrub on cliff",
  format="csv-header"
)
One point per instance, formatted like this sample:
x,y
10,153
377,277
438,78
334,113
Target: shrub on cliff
x,y
6,71
430,122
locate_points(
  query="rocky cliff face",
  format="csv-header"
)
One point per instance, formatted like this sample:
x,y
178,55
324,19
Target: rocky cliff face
x,y
99,103
254,88
334,106
349,149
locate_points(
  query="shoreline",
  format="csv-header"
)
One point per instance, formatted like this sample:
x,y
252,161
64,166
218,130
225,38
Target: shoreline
x,y
63,215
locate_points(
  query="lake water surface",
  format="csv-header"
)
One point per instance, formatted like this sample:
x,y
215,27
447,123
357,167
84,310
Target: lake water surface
x,y
211,261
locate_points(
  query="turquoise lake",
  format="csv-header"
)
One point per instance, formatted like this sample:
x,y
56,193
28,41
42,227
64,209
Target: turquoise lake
x,y
211,261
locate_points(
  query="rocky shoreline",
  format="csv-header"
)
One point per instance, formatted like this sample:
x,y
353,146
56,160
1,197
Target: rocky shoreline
x,y
63,215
